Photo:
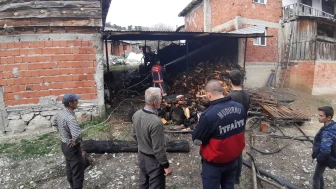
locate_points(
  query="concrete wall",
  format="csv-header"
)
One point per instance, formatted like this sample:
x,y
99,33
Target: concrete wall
x,y
257,74
39,68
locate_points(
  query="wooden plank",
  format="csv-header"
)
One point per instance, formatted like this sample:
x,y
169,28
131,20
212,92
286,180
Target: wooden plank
x,y
35,22
47,30
53,13
3,2
48,4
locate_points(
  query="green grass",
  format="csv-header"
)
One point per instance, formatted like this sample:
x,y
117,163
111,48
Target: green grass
x,y
325,102
93,128
120,67
125,135
40,146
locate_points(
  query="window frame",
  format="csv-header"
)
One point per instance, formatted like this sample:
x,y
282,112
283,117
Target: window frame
x,y
257,40
258,1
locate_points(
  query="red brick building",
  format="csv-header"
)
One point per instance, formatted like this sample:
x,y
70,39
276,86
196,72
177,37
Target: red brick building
x,y
310,64
47,49
232,15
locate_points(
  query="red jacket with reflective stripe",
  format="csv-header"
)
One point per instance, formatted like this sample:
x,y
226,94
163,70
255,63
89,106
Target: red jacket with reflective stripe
x,y
157,73
221,130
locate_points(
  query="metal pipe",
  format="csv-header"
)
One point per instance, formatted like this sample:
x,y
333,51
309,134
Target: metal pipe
x,y
277,179
158,47
108,72
107,59
145,52
195,52
245,60
187,44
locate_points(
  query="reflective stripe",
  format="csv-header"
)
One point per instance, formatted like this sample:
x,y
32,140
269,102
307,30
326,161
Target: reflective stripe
x,y
157,81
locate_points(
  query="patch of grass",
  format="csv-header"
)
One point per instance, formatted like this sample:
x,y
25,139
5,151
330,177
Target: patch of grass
x,y
103,128
324,101
125,135
40,146
93,128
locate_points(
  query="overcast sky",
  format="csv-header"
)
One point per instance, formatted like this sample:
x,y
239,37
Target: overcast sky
x,y
146,12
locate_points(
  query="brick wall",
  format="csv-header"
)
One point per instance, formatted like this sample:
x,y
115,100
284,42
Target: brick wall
x,y
268,53
224,11
118,50
30,70
301,76
194,21
325,80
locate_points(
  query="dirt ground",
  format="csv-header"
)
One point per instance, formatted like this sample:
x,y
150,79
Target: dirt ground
x,y
293,164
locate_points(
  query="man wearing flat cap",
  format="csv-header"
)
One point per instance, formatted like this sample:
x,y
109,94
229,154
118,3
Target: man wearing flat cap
x,y
70,134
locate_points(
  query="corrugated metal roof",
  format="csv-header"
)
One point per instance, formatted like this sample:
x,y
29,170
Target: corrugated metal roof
x,y
171,36
250,30
190,6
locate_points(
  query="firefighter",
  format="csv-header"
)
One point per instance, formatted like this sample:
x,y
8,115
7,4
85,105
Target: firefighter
x,y
157,74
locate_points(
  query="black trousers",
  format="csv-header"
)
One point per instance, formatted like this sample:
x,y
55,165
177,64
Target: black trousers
x,y
239,169
151,173
74,165
214,177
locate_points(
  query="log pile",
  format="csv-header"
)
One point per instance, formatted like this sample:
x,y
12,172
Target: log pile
x,y
117,146
198,74
188,95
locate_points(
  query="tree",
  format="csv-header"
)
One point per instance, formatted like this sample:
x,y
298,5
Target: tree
x,y
159,27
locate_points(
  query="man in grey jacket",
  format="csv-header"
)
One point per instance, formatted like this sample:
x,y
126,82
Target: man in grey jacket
x,y
148,132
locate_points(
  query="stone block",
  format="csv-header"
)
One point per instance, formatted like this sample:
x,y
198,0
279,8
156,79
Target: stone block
x,y
17,126
83,116
48,113
38,123
27,117
14,116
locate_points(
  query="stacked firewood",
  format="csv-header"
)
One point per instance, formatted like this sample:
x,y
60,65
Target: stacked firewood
x,y
193,82
188,89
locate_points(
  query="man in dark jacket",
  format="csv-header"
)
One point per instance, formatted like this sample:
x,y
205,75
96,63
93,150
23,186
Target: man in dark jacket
x,y
324,148
157,74
220,133
240,96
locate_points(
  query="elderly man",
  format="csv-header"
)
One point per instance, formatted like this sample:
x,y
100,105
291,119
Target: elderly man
x,y
148,132
70,131
220,132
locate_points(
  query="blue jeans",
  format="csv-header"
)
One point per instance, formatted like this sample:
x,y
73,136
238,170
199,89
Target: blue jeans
x,y
318,182
214,177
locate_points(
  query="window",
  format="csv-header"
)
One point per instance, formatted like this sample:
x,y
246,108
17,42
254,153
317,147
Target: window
x,y
260,1
261,41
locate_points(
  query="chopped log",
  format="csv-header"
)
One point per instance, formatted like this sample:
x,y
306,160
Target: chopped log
x,y
115,146
269,175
